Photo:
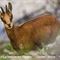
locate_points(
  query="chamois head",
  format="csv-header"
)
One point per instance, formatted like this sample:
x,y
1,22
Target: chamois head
x,y
6,16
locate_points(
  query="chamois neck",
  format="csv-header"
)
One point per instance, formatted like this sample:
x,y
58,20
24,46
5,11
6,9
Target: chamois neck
x,y
11,35
10,31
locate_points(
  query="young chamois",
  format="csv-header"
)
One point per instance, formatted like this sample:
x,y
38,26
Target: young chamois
x,y
38,31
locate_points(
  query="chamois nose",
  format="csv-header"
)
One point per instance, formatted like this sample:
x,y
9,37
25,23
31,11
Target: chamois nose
x,y
9,25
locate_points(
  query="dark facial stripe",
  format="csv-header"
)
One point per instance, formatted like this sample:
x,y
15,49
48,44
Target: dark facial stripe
x,y
11,18
3,20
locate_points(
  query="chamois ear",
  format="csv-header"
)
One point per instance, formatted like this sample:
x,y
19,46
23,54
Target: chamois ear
x,y
10,6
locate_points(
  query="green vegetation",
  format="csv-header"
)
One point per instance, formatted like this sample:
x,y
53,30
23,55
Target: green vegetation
x,y
7,50
4,59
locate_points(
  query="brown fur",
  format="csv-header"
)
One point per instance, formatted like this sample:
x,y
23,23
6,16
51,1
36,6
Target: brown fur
x,y
34,33
41,30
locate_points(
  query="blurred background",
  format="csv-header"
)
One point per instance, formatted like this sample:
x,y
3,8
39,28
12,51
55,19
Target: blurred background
x,y
23,10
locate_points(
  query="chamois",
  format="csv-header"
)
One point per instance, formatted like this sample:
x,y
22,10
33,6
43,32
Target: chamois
x,y
31,34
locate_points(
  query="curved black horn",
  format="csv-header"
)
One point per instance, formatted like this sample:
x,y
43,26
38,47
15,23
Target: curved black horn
x,y
2,9
6,8
10,6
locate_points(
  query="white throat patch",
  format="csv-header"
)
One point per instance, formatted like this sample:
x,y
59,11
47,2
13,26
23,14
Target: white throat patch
x,y
6,25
